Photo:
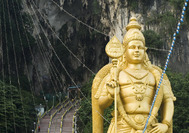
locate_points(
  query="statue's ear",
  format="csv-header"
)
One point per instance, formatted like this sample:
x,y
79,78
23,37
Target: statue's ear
x,y
146,48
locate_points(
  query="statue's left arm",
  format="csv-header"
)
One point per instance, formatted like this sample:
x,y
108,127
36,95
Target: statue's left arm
x,y
167,105
167,109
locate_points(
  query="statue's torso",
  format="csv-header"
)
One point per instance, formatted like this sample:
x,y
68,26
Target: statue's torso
x,y
137,90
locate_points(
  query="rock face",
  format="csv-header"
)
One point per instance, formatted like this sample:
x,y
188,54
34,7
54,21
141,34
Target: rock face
x,y
109,17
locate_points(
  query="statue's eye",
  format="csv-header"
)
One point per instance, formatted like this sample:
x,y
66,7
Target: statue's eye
x,y
132,47
140,47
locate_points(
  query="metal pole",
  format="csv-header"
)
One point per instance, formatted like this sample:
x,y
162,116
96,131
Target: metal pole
x,y
114,62
34,125
68,93
53,101
59,97
47,105
75,124
40,105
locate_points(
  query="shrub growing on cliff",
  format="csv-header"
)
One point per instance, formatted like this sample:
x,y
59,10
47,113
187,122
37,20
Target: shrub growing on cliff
x,y
152,39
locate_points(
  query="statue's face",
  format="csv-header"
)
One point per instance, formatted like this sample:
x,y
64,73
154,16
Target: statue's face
x,y
135,52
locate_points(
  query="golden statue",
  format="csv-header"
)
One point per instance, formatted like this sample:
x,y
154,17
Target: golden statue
x,y
131,82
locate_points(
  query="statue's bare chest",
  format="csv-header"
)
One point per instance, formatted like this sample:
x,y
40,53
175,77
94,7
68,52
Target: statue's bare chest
x,y
137,84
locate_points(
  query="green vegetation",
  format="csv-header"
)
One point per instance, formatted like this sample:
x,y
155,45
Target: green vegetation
x,y
13,111
166,21
85,112
187,16
178,5
180,83
152,39
13,38
132,4
96,9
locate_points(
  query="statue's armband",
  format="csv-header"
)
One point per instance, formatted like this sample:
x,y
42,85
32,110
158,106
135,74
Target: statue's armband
x,y
167,90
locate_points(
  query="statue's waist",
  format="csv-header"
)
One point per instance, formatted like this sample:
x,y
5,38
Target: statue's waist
x,y
138,119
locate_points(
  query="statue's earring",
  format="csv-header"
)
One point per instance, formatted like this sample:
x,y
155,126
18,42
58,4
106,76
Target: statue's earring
x,y
124,49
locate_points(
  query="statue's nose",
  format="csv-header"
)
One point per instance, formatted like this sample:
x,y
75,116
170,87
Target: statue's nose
x,y
136,49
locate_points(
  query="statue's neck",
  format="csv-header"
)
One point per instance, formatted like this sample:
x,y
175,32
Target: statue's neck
x,y
135,66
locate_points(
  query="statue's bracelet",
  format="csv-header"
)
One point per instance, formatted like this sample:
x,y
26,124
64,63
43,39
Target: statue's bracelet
x,y
166,122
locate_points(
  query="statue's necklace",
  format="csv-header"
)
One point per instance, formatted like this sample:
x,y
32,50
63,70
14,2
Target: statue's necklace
x,y
139,89
137,74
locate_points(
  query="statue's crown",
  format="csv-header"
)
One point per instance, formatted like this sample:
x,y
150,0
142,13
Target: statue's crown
x,y
133,24
133,32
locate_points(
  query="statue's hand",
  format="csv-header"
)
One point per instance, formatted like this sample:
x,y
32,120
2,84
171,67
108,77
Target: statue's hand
x,y
111,86
112,83
159,128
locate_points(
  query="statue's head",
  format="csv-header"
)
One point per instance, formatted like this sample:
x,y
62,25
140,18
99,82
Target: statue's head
x,y
134,43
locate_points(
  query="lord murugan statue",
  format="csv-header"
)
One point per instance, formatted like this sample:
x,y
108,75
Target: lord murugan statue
x,y
130,81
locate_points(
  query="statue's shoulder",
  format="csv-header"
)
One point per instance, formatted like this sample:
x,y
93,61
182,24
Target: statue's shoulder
x,y
160,71
166,85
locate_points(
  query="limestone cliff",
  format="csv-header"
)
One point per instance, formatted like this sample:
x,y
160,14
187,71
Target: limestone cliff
x,y
110,17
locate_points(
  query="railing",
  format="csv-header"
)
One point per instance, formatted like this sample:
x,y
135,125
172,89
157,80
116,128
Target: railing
x,y
41,116
64,101
74,124
38,121
57,105
52,116
62,118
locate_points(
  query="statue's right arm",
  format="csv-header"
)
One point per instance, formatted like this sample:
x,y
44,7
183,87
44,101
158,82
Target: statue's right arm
x,y
105,99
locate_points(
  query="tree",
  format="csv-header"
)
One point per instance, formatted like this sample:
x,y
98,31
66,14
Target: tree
x,y
180,83
14,111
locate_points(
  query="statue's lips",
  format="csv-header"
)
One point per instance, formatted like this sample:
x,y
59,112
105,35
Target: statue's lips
x,y
136,55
